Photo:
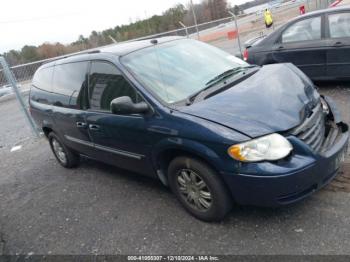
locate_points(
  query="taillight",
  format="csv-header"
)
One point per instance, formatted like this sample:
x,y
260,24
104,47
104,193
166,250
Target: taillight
x,y
245,55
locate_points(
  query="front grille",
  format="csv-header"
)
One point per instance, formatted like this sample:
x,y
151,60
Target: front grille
x,y
312,130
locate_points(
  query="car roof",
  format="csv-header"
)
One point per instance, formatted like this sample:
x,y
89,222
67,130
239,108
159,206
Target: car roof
x,y
271,38
324,11
118,49
128,47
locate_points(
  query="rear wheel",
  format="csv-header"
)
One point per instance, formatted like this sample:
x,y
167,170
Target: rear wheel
x,y
199,189
65,156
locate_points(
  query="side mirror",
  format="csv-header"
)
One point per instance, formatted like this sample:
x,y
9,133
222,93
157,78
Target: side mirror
x,y
124,105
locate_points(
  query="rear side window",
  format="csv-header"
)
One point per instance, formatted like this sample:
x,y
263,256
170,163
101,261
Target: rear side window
x,y
70,82
339,25
106,83
43,78
304,30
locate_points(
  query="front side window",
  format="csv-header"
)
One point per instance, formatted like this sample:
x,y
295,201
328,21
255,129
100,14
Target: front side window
x,y
175,70
339,25
107,83
304,30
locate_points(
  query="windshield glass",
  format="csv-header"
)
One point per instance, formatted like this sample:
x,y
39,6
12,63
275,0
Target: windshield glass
x,y
177,69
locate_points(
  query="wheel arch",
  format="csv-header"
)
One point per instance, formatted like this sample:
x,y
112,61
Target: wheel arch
x,y
164,154
46,127
47,130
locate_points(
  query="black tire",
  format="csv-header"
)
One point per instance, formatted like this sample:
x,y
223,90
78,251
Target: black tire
x,y
71,158
221,200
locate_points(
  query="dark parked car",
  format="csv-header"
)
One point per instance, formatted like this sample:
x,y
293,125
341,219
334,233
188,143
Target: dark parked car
x,y
205,123
318,43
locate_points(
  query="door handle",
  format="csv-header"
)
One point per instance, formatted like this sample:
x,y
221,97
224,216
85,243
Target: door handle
x,y
94,127
338,44
280,47
81,124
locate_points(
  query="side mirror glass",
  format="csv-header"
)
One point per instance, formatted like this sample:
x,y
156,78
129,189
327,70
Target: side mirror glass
x,y
124,106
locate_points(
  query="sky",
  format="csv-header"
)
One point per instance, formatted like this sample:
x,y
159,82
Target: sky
x,y
34,22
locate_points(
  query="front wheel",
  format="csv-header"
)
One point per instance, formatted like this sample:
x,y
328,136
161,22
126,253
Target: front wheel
x,y
199,189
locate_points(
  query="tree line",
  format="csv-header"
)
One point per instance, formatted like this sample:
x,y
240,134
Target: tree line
x,y
206,11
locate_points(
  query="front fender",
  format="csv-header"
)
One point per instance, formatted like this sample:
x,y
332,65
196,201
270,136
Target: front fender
x,y
334,110
188,146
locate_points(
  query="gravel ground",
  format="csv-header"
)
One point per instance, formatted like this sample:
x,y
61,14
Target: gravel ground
x,y
99,209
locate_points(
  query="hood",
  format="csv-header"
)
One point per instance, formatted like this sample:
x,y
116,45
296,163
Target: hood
x,y
276,98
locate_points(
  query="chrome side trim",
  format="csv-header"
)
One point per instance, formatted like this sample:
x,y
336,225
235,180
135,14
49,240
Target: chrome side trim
x,y
79,141
104,148
119,152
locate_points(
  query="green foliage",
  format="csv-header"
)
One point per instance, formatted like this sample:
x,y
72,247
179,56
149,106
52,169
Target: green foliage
x,y
13,57
29,53
236,10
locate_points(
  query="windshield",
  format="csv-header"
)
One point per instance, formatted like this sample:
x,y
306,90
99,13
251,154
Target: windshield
x,y
176,70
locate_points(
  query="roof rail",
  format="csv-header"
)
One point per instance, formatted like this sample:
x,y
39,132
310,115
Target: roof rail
x,y
75,54
94,51
82,53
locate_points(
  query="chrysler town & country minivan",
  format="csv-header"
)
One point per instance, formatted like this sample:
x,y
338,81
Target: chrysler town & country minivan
x,y
213,128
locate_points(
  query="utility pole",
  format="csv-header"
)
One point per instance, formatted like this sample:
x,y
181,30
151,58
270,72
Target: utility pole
x,y
185,27
238,39
113,40
194,18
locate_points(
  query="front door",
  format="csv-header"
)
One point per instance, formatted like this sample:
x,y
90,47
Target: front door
x,y
121,140
338,51
302,44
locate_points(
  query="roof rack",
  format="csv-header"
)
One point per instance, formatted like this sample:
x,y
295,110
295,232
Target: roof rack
x,y
82,53
75,54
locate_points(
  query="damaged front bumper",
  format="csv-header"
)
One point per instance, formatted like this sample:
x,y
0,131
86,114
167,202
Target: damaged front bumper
x,y
310,167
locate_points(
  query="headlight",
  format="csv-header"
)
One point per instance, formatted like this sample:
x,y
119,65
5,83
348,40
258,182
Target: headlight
x,y
270,147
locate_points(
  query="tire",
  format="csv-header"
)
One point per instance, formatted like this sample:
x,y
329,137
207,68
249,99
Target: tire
x,y
215,205
65,156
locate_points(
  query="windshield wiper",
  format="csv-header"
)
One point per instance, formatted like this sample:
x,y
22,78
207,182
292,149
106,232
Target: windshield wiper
x,y
218,79
190,99
226,74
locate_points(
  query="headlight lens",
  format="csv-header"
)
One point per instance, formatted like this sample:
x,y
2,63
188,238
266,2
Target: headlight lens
x,y
270,147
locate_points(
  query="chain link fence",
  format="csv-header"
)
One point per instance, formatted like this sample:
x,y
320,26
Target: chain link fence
x,y
10,78
23,75
224,33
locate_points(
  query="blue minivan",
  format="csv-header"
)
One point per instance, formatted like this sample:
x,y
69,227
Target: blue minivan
x,y
213,128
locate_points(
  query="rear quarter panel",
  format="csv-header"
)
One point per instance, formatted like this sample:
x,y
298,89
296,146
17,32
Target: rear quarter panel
x,y
40,104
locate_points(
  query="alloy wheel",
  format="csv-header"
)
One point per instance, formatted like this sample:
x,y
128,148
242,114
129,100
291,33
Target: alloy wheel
x,y
194,190
59,151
